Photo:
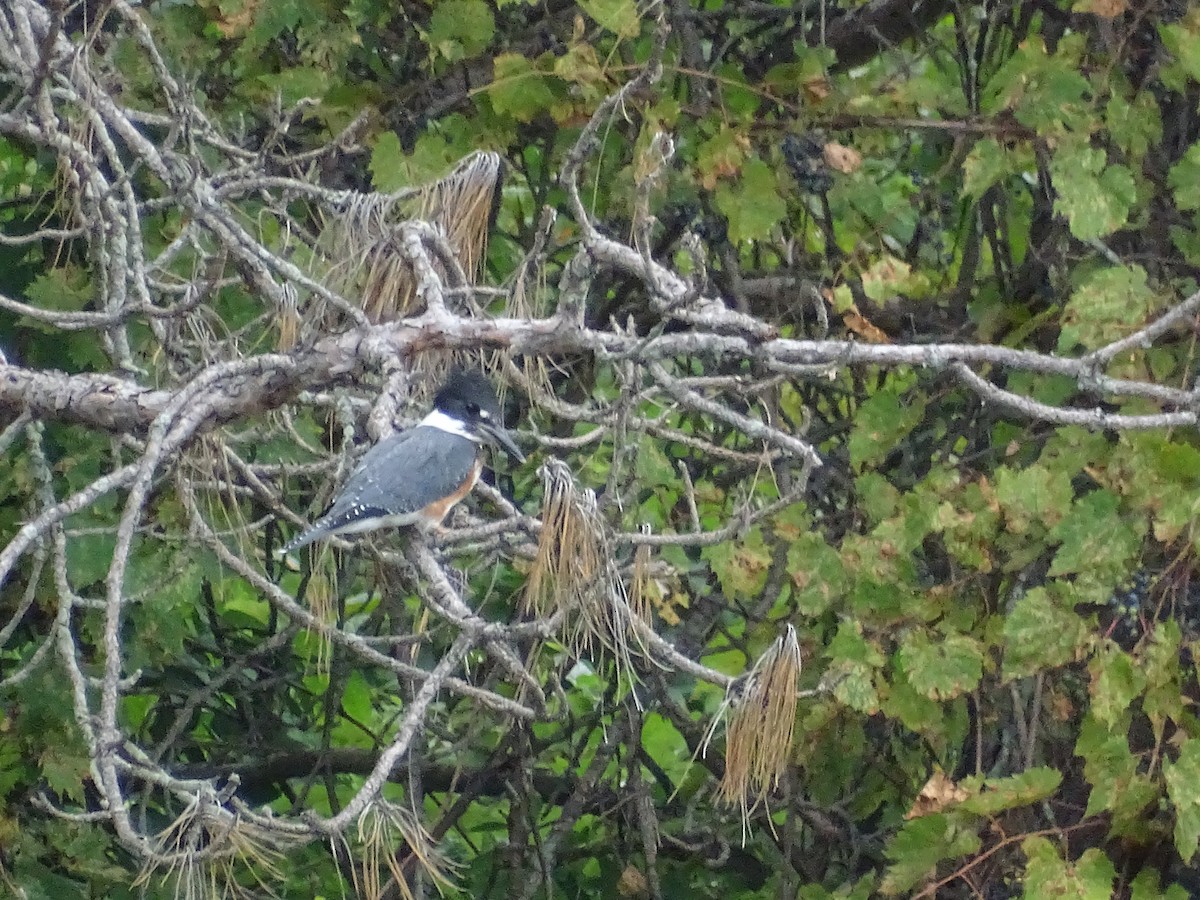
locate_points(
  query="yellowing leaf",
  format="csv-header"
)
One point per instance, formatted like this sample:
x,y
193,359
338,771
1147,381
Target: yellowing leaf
x,y
885,277
1034,495
1040,633
853,662
938,793
1115,683
1090,877
1105,9
1096,538
941,667
618,16
1096,199
992,795
721,156
741,568
883,420
989,163
233,23
864,327
817,573
1109,304
841,158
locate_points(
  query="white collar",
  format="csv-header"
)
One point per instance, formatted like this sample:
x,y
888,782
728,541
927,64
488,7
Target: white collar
x,y
439,420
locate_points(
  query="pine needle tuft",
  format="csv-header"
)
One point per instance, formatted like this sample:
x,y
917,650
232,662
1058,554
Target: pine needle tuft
x,y
761,712
383,828
459,206
575,573
206,848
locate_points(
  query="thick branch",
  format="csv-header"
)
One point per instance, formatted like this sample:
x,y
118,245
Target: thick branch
x,y
123,406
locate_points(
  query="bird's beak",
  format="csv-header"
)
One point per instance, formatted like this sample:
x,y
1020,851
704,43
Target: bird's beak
x,y
501,438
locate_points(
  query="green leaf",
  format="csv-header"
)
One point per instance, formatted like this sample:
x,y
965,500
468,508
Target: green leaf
x,y
853,663
878,499
652,466
67,288
1096,539
1115,682
915,711
518,89
993,795
1182,41
1113,772
882,422
89,554
1147,887
942,666
1178,462
135,708
1095,198
863,890
242,603
1184,179
1183,787
1046,93
1107,305
387,161
881,601
12,762
1039,634
275,18
66,771
663,743
921,844
817,573
618,16
1135,123
298,82
1034,495
356,698
754,204
1187,240
731,662
460,28
1090,877
741,568
740,101
989,163
1163,700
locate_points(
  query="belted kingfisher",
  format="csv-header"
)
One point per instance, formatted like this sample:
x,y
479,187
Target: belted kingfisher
x,y
423,472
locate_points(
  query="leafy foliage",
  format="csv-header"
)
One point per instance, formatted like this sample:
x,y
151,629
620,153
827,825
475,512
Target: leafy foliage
x,y
1018,179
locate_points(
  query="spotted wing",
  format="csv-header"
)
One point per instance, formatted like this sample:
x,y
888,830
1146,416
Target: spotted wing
x,y
395,480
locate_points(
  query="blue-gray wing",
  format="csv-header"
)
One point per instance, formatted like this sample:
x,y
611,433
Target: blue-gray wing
x,y
396,479
406,472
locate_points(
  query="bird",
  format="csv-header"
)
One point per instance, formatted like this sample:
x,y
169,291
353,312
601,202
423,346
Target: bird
x,y
418,475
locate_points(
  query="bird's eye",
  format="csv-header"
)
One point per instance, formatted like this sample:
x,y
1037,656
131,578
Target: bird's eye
x,y
473,409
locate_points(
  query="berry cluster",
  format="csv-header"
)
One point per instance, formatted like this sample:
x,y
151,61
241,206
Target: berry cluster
x,y
1128,607
1187,609
805,158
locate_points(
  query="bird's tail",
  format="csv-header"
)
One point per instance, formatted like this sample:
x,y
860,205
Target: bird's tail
x,y
303,539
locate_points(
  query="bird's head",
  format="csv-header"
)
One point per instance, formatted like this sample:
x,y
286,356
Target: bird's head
x,y
469,401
